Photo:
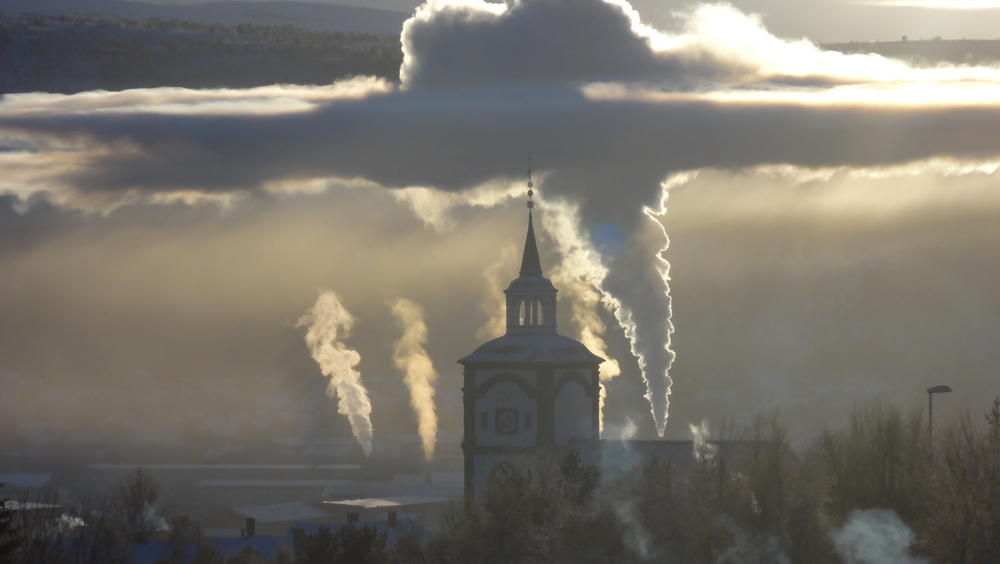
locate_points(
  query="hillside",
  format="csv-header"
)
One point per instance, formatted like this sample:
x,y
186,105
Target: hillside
x,y
44,47
69,54
928,52
304,15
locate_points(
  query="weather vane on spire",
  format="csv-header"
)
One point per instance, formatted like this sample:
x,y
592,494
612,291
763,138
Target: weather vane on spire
x,y
531,193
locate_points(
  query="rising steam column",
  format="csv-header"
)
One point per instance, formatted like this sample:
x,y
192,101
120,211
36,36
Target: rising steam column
x,y
530,389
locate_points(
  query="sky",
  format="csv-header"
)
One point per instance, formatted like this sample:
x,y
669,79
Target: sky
x,y
737,221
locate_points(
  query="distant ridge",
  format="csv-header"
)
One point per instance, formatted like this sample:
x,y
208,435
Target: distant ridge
x,y
305,15
927,52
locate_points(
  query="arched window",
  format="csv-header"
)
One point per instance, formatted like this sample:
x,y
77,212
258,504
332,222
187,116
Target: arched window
x,y
522,309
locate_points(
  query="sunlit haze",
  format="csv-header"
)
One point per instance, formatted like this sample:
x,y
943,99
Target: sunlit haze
x,y
736,219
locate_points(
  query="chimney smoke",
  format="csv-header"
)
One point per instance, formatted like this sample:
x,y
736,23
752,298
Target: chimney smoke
x,y
329,321
409,355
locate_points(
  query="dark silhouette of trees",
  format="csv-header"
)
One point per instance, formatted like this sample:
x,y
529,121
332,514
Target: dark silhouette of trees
x,y
40,522
880,460
10,537
993,422
93,534
99,529
76,53
962,514
754,501
185,532
578,478
757,500
349,544
134,503
548,512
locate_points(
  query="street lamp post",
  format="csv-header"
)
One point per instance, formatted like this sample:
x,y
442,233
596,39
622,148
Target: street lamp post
x,y
942,389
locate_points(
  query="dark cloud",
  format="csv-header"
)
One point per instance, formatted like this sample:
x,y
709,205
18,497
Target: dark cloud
x,y
534,41
622,148
477,101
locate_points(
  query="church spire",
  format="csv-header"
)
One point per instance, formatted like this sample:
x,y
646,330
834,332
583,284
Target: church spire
x,y
531,298
530,264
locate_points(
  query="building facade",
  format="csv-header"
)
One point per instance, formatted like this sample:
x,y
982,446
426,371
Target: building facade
x,y
532,388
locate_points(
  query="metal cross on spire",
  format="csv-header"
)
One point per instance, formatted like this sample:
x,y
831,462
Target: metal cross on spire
x,y
531,193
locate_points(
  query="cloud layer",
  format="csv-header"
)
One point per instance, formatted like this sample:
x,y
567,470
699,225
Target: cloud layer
x,y
625,100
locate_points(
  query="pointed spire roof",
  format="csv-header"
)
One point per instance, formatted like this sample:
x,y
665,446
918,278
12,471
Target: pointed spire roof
x,y
530,265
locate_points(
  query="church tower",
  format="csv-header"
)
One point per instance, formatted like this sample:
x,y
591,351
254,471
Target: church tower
x,y
532,388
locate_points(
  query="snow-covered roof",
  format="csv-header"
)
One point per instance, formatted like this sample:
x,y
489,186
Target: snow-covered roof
x,y
552,348
315,441
337,467
437,478
270,483
201,466
294,511
29,505
395,501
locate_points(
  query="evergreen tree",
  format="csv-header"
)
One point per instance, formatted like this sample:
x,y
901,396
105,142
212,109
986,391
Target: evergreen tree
x,y
10,538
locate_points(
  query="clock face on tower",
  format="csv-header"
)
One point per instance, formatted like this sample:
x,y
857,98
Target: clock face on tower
x,y
506,421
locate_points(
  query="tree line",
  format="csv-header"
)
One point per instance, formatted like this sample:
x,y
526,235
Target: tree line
x,y
874,490
879,478
68,54
927,52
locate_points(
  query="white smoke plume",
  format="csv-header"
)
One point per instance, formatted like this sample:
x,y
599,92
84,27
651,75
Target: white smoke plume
x,y
495,305
875,536
749,549
624,432
584,302
635,533
409,355
575,277
579,274
629,431
654,352
328,323
602,394
704,451
434,206
583,273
